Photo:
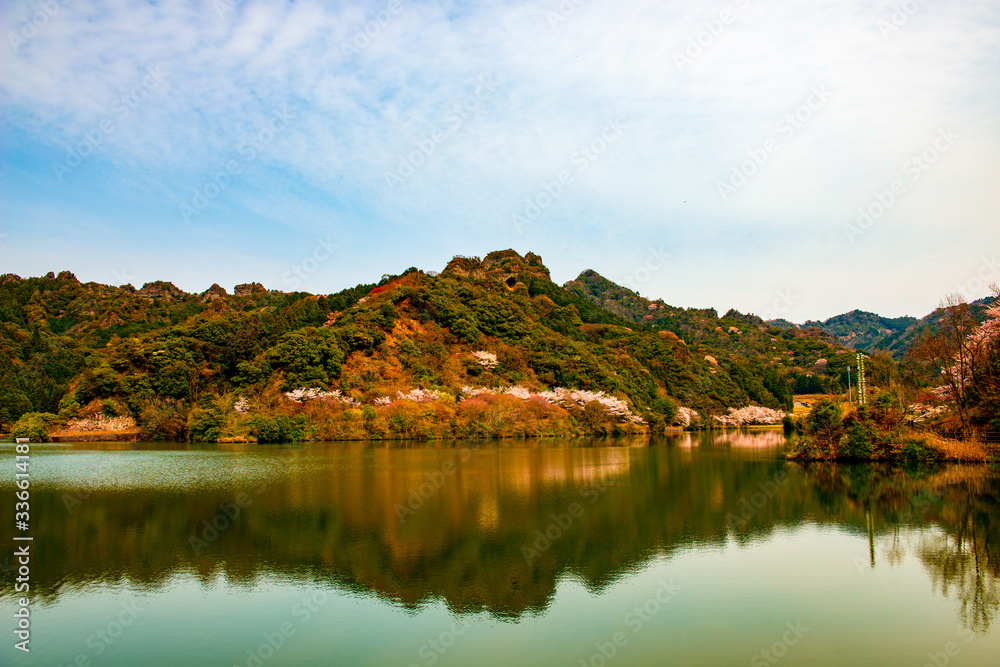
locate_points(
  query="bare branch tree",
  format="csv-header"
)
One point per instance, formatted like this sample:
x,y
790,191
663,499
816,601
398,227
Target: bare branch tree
x,y
945,346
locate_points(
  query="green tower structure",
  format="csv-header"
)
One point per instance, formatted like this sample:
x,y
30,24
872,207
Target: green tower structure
x,y
862,397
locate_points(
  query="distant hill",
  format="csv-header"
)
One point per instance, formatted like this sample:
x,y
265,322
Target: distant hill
x,y
811,360
862,330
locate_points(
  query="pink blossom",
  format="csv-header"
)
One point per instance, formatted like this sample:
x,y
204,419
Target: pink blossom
x,y
752,415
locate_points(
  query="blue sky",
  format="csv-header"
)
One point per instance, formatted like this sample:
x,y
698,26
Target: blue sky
x,y
793,158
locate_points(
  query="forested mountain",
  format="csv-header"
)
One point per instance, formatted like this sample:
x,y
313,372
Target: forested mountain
x,y
811,360
862,330
383,358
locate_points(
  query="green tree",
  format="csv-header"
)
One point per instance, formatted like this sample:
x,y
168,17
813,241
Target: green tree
x,y
825,415
34,426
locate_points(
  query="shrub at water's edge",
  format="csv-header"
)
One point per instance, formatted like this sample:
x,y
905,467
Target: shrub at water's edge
x,y
875,433
34,426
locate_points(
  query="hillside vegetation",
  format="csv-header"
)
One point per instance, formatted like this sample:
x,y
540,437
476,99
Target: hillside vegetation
x,y
490,347
870,332
806,360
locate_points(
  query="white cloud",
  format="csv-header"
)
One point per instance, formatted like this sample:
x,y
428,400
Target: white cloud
x,y
357,113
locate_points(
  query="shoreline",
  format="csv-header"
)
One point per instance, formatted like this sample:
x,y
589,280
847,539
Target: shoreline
x,y
96,436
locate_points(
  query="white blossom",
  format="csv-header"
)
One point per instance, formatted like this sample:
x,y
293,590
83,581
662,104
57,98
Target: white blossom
x,y
752,415
242,405
942,392
469,392
614,407
519,392
301,395
686,416
485,359
921,412
419,395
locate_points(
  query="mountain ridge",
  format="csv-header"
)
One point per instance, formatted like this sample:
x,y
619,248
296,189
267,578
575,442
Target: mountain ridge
x,y
489,346
857,329
867,331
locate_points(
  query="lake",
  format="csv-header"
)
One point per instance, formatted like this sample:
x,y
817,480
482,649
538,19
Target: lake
x,y
695,549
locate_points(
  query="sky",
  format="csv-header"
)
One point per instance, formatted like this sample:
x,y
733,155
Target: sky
x,y
794,159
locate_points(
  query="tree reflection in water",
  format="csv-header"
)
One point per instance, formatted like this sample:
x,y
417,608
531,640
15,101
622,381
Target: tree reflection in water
x,y
332,514
963,557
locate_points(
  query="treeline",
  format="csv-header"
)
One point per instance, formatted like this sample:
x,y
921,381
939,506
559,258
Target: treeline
x,y
173,360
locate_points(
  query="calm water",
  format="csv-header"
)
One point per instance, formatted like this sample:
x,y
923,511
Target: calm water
x,y
690,550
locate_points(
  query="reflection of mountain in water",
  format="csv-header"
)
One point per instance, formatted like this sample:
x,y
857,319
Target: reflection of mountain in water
x,y
414,524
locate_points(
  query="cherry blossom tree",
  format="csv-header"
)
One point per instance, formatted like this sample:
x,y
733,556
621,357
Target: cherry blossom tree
x,y
752,415
967,354
485,359
981,374
419,395
303,395
613,407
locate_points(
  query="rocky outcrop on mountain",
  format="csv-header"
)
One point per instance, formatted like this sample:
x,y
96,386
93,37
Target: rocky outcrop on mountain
x,y
213,293
248,289
161,290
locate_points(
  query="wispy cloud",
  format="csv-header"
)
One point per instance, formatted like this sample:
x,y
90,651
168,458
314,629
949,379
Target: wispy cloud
x,y
369,79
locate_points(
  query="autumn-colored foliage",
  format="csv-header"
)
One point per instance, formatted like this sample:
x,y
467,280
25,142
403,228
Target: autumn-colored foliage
x,y
375,361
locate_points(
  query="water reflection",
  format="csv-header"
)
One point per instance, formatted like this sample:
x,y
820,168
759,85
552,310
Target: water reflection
x,y
963,560
489,529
